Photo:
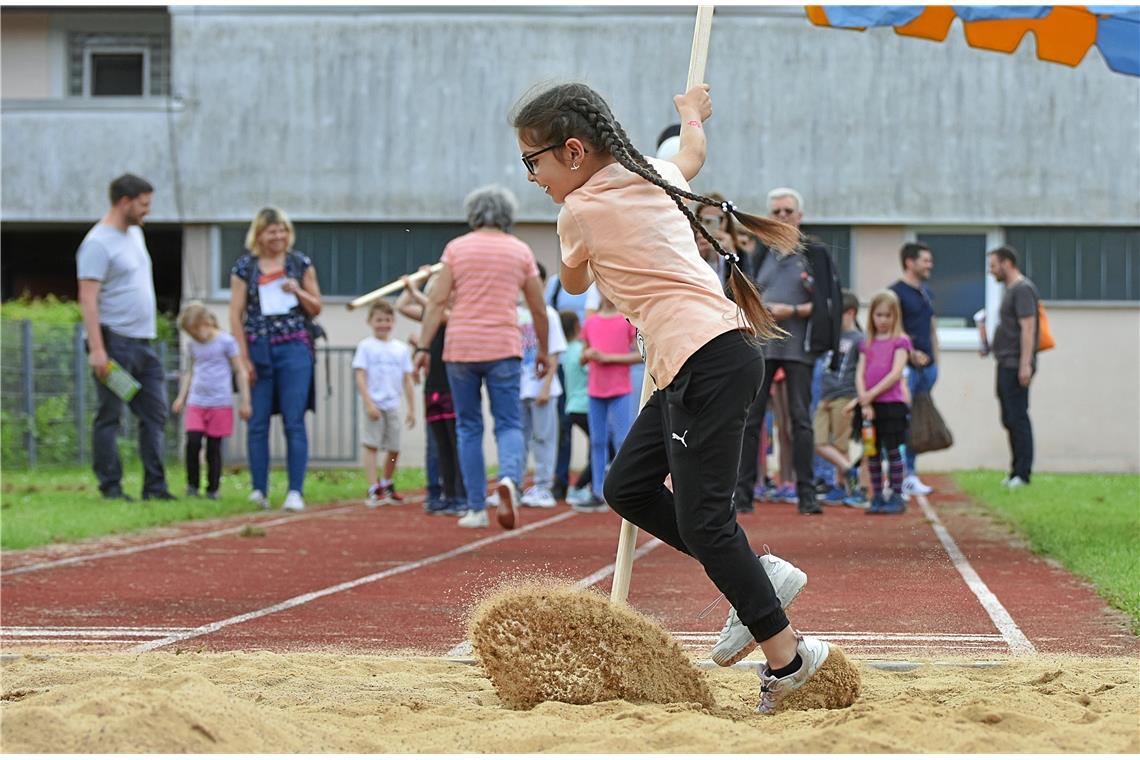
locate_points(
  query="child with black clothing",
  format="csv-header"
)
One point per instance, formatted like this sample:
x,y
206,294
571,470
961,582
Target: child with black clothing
x,y
883,399
439,411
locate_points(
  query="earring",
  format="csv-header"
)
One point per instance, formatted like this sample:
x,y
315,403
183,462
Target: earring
x,y
574,167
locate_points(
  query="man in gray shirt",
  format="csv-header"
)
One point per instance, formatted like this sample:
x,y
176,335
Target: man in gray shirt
x,y
785,283
1015,349
116,296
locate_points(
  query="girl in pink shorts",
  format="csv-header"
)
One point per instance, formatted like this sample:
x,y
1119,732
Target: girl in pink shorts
x,y
206,392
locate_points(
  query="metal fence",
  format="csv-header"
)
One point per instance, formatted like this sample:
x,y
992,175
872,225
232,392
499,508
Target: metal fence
x,y
48,400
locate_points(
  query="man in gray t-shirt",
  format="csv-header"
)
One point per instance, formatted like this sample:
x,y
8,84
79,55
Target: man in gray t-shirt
x,y
1015,349
116,296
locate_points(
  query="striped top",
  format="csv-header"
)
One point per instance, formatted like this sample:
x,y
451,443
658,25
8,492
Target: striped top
x,y
488,269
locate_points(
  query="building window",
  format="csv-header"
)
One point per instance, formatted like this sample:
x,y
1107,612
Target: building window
x,y
135,64
352,259
1080,263
116,72
838,241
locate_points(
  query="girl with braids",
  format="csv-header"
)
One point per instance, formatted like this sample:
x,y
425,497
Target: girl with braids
x,y
625,225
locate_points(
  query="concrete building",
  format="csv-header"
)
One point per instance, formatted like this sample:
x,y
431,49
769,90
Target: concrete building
x,y
369,126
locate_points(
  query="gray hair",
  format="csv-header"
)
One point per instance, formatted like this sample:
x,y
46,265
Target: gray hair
x,y
786,192
491,206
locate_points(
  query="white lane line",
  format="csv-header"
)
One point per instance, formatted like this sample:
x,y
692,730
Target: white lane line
x,y
605,572
1017,641
865,637
306,598
464,648
141,633
175,541
72,641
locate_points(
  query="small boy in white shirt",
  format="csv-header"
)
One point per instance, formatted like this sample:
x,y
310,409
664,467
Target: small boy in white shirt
x,y
382,366
540,403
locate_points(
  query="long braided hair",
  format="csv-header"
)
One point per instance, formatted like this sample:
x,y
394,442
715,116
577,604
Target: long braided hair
x,y
558,113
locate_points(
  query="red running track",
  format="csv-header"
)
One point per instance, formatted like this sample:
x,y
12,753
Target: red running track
x,y
939,581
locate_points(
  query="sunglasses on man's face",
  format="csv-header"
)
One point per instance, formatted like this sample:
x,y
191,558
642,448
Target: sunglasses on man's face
x,y
783,211
528,158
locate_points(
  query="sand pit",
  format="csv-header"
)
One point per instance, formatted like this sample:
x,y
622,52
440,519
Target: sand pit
x,y
339,702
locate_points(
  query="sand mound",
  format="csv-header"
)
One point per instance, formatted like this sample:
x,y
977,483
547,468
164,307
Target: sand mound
x,y
834,685
543,643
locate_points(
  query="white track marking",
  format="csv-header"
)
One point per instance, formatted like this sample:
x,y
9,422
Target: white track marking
x,y
464,647
867,636
306,598
182,540
608,570
142,633
1017,641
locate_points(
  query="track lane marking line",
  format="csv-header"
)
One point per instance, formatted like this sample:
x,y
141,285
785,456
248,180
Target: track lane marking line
x,y
49,564
1018,643
297,601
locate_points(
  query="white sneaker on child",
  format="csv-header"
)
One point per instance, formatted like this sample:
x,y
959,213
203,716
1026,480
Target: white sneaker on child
x,y
813,652
736,642
507,512
293,502
258,498
912,486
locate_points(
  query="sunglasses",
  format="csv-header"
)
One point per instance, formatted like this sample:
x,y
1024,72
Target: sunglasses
x,y
712,222
782,211
528,158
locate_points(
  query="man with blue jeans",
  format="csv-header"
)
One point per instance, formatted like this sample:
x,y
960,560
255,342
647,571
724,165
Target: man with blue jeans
x,y
116,297
917,304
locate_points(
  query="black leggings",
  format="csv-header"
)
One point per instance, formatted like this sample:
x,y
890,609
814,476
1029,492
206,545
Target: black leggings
x,y
446,448
692,429
213,461
582,422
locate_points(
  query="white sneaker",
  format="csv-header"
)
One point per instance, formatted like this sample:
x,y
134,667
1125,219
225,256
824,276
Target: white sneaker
x,y
293,502
538,497
507,511
813,652
258,498
474,519
1015,483
736,642
492,500
912,486
578,495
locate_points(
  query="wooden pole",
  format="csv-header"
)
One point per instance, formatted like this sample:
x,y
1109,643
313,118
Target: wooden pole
x,y
627,538
393,287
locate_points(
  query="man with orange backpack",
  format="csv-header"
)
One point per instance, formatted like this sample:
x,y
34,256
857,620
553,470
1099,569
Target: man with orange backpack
x,y
1015,346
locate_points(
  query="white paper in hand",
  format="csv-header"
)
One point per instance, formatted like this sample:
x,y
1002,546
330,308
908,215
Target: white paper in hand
x,y
274,299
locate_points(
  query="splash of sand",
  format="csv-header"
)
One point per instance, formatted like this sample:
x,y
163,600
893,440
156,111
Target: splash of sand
x,y
546,642
243,702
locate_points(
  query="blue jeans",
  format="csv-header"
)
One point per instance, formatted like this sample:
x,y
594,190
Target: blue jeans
x,y
920,380
610,421
562,465
149,405
285,375
502,377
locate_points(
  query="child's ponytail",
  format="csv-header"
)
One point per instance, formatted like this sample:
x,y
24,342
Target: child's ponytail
x,y
552,113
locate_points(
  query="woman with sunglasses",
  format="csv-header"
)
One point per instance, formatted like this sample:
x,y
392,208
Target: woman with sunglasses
x,y
625,224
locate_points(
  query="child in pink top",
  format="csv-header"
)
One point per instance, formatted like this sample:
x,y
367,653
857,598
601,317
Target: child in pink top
x,y
610,349
625,224
882,399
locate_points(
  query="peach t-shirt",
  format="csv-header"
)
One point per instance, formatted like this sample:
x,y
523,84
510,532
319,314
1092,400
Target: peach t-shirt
x,y
641,250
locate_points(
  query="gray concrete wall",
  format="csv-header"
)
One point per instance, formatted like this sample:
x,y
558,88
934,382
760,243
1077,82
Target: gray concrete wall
x,y
385,115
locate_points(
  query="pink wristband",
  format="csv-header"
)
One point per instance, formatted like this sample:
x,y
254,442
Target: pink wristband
x,y
694,123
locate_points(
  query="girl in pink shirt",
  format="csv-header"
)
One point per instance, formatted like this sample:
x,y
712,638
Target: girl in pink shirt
x,y
610,349
625,225
882,397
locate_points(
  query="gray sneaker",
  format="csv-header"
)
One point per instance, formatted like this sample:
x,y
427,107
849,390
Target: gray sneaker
x,y
736,641
813,652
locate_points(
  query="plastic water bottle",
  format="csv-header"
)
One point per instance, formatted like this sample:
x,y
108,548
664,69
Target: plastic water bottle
x,y
870,445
